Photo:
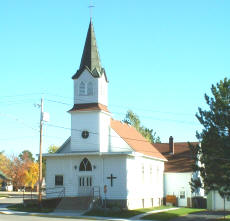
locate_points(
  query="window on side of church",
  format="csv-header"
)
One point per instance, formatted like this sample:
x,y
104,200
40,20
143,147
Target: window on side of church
x,y
143,173
82,89
151,173
158,176
182,194
58,180
90,89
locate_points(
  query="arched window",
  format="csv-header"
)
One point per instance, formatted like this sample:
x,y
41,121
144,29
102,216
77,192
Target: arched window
x,y
82,88
90,89
85,165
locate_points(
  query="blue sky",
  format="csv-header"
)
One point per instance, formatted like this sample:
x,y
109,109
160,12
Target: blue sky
x,y
160,58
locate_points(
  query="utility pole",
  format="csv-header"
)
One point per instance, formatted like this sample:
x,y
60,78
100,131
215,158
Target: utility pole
x,y
40,156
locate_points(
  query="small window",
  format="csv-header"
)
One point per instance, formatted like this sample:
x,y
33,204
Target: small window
x,y
82,89
58,180
228,198
182,194
143,173
90,89
151,173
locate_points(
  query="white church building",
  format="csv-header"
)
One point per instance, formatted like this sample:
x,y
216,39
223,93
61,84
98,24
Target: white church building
x,y
103,153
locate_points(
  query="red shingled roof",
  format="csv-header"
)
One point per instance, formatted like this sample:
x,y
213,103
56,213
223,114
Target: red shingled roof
x,y
181,160
135,140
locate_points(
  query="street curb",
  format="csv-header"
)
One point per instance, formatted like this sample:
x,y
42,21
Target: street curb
x,y
56,216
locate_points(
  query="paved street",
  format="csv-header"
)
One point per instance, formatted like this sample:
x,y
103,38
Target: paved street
x,y
202,216
33,218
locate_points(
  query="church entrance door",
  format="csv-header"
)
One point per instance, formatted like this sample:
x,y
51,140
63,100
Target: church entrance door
x,y
85,185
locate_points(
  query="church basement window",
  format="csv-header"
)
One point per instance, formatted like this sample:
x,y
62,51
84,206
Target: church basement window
x,y
58,180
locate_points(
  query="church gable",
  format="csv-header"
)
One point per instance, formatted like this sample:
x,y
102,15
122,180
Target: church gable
x,y
65,147
135,140
117,144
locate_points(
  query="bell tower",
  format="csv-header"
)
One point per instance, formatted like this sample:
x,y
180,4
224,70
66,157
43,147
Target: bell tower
x,y
90,81
90,118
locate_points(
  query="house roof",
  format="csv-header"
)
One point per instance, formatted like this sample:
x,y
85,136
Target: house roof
x,y
90,58
181,160
135,140
89,107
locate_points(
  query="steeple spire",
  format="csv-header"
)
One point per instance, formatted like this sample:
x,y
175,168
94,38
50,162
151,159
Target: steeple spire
x,y
90,58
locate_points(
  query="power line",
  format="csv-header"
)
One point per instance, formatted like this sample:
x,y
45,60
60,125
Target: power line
x,y
59,102
84,100
17,138
18,120
95,133
21,95
142,116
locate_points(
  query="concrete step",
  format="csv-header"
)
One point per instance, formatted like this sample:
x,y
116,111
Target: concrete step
x,y
74,203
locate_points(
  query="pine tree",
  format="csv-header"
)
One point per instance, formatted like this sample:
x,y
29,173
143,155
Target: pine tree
x,y
214,151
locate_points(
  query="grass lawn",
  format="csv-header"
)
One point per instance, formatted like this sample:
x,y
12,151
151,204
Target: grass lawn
x,y
3,195
227,218
35,209
123,213
172,214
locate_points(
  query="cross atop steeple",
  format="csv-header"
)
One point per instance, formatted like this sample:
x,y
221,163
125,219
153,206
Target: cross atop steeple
x,y
91,6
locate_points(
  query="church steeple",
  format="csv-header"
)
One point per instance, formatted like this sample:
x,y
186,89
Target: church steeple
x,y
90,81
90,58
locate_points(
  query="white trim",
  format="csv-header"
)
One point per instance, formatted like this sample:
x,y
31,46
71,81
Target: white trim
x,y
86,153
130,153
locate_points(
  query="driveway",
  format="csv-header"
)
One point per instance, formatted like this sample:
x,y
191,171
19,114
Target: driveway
x,y
202,216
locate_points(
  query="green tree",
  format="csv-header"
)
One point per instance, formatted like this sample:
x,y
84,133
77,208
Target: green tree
x,y
26,155
4,164
214,151
133,119
52,149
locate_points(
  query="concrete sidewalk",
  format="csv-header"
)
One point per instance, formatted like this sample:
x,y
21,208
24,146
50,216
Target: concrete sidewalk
x,y
4,203
138,217
75,214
